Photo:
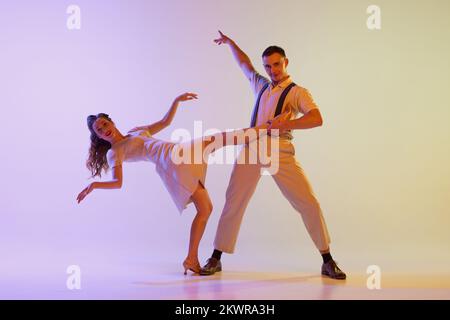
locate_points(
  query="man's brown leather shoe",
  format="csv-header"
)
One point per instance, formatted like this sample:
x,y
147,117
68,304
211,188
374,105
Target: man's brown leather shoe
x,y
212,266
331,270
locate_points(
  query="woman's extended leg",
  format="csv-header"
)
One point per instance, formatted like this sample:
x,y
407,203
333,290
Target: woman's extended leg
x,y
234,137
198,151
204,208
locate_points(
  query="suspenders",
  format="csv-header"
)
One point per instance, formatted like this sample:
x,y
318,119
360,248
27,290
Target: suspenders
x,y
255,109
279,105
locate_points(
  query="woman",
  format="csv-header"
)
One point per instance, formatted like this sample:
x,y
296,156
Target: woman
x,y
185,181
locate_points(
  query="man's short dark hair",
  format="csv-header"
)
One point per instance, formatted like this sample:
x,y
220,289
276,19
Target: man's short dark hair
x,y
274,49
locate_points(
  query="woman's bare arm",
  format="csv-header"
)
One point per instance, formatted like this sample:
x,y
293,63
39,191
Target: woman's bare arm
x,y
115,183
167,120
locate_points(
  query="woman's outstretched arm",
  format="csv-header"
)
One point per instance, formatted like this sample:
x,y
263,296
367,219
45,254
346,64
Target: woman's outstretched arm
x,y
167,120
115,183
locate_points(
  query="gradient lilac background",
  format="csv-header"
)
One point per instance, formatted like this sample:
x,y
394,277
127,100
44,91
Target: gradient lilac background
x,y
379,164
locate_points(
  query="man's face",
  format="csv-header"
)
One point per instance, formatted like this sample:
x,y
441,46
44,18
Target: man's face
x,y
275,66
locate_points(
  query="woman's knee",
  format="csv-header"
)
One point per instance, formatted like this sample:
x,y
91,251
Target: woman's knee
x,y
203,203
210,206
204,214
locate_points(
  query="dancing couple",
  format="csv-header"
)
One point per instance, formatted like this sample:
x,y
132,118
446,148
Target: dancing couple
x,y
278,104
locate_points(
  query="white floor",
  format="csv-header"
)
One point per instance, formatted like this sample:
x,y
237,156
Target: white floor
x,y
165,281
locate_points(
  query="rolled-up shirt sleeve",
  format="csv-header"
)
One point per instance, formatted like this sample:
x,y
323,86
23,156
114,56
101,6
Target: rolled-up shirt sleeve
x,y
304,101
257,82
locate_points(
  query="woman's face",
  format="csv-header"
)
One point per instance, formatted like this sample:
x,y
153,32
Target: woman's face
x,y
104,129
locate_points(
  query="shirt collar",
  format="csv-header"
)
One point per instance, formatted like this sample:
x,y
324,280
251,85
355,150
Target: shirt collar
x,y
282,84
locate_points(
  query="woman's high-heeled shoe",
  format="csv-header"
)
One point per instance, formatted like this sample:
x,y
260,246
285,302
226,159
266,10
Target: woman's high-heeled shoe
x,y
188,265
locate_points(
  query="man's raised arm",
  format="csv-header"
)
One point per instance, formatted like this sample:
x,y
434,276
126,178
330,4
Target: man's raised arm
x,y
241,58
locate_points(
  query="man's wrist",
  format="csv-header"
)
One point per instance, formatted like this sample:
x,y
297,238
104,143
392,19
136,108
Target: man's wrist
x,y
288,125
232,43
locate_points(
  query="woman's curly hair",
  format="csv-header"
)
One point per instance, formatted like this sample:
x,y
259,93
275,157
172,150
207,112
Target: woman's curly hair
x,y
98,149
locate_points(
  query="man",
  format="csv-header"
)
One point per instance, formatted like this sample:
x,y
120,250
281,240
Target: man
x,y
290,177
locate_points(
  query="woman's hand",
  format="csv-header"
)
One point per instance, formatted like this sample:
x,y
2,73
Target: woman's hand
x,y
186,96
85,192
